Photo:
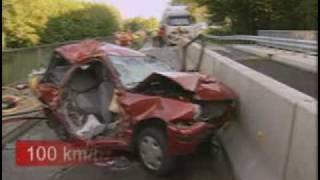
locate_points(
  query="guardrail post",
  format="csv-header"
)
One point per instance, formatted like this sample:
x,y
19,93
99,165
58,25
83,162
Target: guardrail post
x,y
203,46
184,51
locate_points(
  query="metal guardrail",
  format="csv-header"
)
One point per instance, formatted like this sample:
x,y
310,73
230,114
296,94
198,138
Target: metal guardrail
x,y
292,34
185,48
305,46
257,38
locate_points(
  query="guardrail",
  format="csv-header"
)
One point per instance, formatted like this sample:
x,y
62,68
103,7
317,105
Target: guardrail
x,y
292,34
305,46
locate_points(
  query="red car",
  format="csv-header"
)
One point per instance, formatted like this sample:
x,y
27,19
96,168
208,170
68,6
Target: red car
x,y
117,98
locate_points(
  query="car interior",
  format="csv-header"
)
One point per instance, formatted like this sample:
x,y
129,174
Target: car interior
x,y
56,70
87,96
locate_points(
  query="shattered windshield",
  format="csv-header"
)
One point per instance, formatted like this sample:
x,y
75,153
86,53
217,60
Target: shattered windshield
x,y
133,70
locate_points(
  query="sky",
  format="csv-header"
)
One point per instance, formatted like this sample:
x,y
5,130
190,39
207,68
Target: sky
x,y
134,8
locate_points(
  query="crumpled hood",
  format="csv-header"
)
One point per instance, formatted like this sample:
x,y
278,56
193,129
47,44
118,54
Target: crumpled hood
x,y
204,87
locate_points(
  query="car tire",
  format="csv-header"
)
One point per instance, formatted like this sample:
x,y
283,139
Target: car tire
x,y
153,151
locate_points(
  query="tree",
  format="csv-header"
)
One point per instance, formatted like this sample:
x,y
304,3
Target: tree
x,y
134,24
247,16
151,24
139,23
95,20
26,22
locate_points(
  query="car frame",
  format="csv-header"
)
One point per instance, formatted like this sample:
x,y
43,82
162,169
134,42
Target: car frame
x,y
157,127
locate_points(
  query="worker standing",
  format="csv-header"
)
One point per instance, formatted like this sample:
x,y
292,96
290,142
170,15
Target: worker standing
x,y
158,39
161,36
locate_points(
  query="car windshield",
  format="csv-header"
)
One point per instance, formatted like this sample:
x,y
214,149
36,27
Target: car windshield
x,y
179,21
133,70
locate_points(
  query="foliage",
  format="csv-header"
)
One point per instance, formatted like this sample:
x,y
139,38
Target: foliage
x,y
247,16
27,23
221,30
138,23
91,21
3,40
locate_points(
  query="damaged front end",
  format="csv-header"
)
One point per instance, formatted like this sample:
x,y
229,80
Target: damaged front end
x,y
192,105
212,101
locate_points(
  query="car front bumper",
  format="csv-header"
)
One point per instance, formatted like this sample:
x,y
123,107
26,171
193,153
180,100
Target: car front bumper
x,y
183,141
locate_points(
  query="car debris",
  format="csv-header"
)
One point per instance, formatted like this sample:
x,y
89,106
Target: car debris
x,y
118,163
115,98
18,103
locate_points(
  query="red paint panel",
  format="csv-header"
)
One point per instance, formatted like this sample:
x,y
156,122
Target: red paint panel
x,y
141,107
204,87
49,94
80,52
214,91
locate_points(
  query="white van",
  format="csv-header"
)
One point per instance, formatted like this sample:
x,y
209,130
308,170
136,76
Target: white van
x,y
177,21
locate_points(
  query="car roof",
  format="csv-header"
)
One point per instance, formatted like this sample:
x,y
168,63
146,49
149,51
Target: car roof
x,y
82,51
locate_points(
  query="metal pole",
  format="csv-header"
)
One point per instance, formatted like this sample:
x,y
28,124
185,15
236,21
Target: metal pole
x,y
203,46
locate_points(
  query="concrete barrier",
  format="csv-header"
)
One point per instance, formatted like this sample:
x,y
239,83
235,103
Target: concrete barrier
x,y
303,150
260,142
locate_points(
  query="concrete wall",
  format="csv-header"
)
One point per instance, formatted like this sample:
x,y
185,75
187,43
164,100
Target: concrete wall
x,y
262,142
303,150
306,35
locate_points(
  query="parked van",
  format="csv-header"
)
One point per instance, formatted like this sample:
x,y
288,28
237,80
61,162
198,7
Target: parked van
x,y
177,21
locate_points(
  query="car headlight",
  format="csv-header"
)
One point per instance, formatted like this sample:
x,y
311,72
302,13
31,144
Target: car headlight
x,y
215,109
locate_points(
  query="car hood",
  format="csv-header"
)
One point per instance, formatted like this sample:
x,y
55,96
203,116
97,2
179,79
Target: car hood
x,y
202,86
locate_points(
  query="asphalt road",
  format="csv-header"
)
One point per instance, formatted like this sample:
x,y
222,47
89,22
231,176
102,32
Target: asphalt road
x,y
201,165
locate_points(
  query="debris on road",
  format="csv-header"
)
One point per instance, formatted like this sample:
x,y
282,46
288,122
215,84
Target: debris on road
x,y
117,163
20,111
18,101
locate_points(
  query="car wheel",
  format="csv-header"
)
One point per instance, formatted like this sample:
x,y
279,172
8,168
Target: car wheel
x,y
152,149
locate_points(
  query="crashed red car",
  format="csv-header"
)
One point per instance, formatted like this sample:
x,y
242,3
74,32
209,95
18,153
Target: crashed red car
x,y
120,99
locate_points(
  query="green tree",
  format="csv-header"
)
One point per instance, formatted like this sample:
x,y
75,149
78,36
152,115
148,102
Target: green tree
x,y
151,24
134,24
247,16
139,23
92,21
26,22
